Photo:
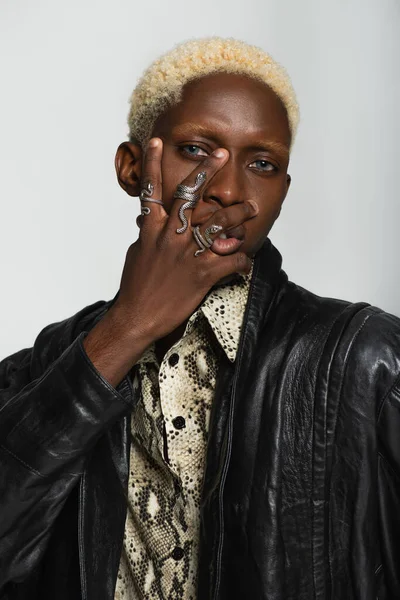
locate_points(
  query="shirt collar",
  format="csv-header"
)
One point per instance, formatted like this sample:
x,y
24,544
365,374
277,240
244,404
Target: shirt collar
x,y
224,308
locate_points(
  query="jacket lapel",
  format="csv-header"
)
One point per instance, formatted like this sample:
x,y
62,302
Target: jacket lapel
x,y
266,285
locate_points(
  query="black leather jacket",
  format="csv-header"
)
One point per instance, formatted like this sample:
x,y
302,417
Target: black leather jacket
x,y
301,494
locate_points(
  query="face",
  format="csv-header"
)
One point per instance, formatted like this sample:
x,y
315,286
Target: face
x,y
246,118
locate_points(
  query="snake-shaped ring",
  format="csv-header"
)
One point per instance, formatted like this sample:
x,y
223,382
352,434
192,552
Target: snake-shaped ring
x,y
192,195
206,241
145,194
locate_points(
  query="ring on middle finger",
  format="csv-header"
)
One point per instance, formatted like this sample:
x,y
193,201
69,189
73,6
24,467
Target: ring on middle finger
x,y
192,195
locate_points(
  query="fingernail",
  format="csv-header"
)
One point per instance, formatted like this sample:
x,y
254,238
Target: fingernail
x,y
219,153
254,205
153,143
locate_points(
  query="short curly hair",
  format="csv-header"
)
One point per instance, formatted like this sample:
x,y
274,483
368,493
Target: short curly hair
x,y
161,85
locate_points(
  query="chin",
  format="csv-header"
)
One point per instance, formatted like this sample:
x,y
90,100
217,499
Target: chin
x,y
227,279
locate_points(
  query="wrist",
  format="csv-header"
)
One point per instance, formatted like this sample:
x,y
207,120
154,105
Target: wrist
x,y
128,330
113,347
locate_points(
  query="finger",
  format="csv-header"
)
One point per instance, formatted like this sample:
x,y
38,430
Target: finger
x,y
197,180
139,221
152,182
228,223
223,266
213,268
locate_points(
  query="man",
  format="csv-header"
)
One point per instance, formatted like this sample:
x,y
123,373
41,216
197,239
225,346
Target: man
x,y
215,431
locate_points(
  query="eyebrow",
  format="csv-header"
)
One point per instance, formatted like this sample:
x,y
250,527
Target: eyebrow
x,y
197,129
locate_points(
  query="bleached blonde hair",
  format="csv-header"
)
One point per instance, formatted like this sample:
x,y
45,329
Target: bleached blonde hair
x,y
161,85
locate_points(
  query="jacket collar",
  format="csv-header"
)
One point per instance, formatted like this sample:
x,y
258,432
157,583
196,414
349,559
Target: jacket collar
x,y
267,286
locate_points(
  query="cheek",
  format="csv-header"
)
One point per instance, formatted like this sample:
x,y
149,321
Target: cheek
x,y
270,200
262,223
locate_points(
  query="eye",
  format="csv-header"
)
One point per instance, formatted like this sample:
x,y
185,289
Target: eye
x,y
193,150
263,165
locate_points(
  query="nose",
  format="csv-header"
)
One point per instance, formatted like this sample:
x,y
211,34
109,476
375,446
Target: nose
x,y
226,187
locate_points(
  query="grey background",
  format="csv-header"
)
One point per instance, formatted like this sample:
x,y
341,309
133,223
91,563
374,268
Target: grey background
x,y
67,70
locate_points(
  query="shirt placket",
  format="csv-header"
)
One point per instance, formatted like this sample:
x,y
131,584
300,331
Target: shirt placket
x,y
175,416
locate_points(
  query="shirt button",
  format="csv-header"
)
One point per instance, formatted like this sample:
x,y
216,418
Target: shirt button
x,y
173,359
178,553
179,422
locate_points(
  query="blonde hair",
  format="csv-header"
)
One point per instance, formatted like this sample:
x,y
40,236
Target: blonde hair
x,y
161,85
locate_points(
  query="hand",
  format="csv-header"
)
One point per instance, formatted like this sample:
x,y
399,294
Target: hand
x,y
162,281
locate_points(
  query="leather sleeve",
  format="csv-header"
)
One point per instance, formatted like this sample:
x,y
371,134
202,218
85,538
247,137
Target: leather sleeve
x,y
389,488
383,355
54,406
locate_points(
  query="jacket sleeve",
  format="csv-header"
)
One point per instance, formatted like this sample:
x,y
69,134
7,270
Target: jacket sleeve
x,y
382,353
54,406
389,487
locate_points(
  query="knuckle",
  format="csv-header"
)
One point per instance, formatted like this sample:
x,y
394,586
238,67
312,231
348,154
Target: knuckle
x,y
162,242
214,161
151,224
210,167
156,181
165,238
152,178
191,179
222,220
202,274
210,162
242,261
152,156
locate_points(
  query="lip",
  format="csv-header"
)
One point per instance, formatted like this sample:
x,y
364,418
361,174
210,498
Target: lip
x,y
224,247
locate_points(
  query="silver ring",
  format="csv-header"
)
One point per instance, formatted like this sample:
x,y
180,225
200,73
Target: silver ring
x,y
212,229
201,242
204,242
191,192
147,191
152,200
145,194
192,195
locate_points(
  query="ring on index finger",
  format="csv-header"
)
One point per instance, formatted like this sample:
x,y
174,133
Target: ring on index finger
x,y
192,195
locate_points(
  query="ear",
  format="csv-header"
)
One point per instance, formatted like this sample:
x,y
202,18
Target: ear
x,y
128,165
288,182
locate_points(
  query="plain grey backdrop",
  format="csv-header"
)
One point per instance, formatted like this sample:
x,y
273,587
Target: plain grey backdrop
x,y
67,70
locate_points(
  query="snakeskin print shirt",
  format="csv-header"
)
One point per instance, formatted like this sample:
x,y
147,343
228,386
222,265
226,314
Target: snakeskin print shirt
x,y
169,429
